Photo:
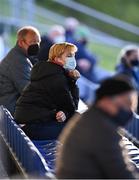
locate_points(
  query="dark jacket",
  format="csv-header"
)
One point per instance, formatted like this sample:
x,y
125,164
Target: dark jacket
x,y
131,73
92,148
50,91
15,70
45,45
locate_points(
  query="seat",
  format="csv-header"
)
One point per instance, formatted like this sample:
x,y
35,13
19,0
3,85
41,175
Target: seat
x,y
48,150
133,127
24,151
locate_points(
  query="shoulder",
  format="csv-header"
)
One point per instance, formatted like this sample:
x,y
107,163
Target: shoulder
x,y
15,55
47,71
121,68
98,124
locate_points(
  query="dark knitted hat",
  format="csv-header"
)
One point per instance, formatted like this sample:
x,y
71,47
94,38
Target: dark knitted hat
x,y
114,86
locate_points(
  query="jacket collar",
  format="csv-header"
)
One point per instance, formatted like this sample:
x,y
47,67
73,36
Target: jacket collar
x,y
106,115
21,50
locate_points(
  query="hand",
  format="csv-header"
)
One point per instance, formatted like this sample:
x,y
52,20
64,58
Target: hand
x,y
60,116
84,64
74,74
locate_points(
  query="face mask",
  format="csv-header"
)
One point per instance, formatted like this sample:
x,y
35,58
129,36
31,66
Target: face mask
x,y
59,39
84,42
33,50
135,62
123,116
70,63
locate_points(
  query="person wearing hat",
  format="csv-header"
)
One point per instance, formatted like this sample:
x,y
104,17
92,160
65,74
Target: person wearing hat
x,y
91,144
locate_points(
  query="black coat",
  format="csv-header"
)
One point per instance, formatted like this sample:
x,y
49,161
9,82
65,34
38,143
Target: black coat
x,y
45,45
51,90
93,148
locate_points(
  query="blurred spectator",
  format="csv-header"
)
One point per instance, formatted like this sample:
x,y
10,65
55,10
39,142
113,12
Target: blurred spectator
x,y
85,59
56,35
92,147
71,25
15,68
129,64
52,97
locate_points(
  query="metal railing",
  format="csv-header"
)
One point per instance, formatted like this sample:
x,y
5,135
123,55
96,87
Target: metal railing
x,y
100,16
50,18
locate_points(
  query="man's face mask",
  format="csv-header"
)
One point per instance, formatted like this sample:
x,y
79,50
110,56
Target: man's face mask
x,y
70,63
134,62
123,116
33,50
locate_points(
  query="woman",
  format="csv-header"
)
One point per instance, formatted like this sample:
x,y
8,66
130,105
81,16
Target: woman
x,y
52,96
129,64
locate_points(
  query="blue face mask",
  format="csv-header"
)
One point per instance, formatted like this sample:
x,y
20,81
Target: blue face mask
x,y
70,63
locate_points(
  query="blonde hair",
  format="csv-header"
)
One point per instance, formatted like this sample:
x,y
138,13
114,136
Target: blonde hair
x,y
22,32
58,49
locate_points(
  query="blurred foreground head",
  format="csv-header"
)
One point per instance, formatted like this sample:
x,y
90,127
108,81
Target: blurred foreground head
x,y
115,96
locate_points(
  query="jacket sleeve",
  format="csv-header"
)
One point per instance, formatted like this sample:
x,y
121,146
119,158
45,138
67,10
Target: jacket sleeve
x,y
67,97
114,160
74,91
20,74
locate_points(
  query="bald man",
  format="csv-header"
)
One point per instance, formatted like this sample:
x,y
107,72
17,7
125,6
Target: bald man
x,y
15,68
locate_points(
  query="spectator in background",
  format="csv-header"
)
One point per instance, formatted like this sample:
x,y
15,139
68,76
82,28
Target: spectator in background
x,y
71,24
55,35
85,59
52,97
129,64
92,147
15,68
